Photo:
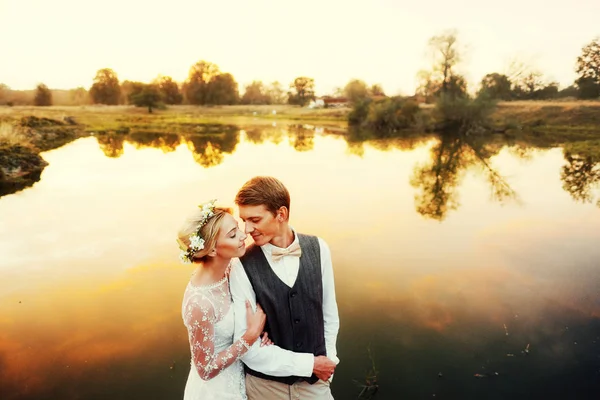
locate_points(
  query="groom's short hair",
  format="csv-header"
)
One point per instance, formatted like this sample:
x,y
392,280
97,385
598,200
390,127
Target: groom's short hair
x,y
264,190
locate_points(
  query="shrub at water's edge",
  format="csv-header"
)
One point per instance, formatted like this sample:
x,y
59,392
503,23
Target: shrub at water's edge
x,y
395,116
387,116
463,115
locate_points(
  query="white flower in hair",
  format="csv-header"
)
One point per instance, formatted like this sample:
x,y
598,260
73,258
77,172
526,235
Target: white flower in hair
x,y
196,242
207,209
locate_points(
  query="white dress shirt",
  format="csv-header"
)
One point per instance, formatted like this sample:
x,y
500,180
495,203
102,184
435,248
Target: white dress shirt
x,y
273,360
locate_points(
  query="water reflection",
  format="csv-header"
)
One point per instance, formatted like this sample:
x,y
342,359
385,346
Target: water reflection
x,y
209,146
209,150
93,310
357,139
581,177
164,141
261,134
50,347
438,179
111,145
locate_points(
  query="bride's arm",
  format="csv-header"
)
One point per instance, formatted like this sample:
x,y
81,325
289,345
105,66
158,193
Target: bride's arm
x,y
200,321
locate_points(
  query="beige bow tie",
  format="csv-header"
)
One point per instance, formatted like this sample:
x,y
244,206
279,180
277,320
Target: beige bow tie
x,y
278,253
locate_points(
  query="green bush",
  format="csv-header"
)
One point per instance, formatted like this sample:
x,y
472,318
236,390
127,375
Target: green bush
x,y
463,114
388,115
359,112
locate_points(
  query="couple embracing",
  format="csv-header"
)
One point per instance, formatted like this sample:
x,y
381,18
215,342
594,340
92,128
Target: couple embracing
x,y
262,321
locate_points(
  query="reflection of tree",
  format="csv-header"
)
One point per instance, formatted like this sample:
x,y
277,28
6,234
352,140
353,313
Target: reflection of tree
x,y
451,156
111,145
261,134
208,149
209,142
438,180
300,137
303,142
580,176
167,142
355,148
357,137
522,151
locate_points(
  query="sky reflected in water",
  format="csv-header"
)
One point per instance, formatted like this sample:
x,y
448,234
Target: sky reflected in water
x,y
91,286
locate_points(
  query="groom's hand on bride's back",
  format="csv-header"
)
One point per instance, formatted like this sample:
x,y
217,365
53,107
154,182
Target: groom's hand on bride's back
x,y
323,368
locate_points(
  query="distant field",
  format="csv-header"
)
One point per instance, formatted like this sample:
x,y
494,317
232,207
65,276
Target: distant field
x,y
94,112
257,111
550,116
546,103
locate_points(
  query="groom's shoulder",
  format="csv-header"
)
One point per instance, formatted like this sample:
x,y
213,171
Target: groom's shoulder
x,y
307,236
312,239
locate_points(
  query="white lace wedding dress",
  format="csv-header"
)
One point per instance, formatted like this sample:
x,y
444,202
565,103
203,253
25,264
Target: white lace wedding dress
x,y
216,370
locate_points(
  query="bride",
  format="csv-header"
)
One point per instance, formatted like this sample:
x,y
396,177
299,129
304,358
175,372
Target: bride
x,y
209,239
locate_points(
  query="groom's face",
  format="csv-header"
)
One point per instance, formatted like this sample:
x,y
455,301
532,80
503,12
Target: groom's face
x,y
259,223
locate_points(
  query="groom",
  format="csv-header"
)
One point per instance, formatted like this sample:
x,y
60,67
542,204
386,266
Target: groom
x,y
291,276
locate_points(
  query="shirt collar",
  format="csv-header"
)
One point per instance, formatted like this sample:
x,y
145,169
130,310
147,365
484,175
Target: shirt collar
x,y
268,247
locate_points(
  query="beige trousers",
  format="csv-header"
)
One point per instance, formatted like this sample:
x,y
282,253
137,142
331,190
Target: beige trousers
x,y
264,389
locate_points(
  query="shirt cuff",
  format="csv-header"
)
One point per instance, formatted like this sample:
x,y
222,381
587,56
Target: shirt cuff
x,y
305,363
334,359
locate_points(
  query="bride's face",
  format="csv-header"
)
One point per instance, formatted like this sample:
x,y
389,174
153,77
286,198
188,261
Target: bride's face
x,y
230,242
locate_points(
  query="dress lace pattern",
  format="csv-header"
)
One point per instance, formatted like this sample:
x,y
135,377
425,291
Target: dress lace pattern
x,y
216,370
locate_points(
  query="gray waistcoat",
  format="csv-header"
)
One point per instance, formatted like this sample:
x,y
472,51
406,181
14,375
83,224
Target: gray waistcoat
x,y
294,315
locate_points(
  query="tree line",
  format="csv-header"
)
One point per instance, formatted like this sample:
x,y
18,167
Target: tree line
x,y
207,85
456,109
521,82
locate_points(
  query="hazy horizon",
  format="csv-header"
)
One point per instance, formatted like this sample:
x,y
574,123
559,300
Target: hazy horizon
x,y
64,43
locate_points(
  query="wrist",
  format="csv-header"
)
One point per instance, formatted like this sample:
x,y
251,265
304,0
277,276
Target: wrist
x,y
249,338
315,363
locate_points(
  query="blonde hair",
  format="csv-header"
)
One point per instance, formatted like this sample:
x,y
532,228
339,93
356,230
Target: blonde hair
x,y
209,231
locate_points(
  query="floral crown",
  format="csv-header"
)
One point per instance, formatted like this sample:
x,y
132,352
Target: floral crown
x,y
196,241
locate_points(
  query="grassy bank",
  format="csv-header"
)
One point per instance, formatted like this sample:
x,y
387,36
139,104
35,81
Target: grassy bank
x,y
579,119
20,162
573,125
176,119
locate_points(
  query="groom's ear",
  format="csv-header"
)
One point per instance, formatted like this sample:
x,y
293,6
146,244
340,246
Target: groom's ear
x,y
282,214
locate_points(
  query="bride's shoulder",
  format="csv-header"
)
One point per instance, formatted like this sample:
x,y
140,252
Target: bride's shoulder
x,y
235,265
236,269
196,300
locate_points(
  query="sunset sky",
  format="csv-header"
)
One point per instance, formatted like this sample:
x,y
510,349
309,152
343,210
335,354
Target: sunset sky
x,y
62,43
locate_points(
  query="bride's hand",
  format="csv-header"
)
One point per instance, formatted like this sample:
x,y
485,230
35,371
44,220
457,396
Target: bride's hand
x,y
264,340
255,323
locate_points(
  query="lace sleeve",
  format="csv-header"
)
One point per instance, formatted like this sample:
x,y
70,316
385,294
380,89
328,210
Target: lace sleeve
x,y
200,321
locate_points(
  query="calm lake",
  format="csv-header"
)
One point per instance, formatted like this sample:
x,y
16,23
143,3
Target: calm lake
x,y
463,271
